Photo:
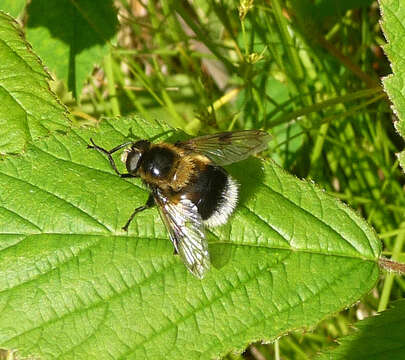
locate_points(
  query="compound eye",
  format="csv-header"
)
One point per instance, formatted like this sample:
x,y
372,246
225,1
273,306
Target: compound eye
x,y
132,161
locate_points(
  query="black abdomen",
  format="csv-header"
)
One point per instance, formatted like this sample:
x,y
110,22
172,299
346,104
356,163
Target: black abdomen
x,y
208,190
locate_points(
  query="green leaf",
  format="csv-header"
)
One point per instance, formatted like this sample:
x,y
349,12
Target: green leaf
x,y
377,337
28,108
12,7
393,25
74,285
71,36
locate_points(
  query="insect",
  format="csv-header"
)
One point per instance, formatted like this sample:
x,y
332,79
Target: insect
x,y
189,185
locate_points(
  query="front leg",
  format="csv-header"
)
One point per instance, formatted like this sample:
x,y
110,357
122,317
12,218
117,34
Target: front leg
x,y
108,153
149,203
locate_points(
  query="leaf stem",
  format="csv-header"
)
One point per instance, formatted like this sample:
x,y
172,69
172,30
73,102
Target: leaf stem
x,y
391,265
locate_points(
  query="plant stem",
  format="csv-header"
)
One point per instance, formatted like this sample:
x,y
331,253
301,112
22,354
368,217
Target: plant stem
x,y
324,104
288,41
111,84
276,350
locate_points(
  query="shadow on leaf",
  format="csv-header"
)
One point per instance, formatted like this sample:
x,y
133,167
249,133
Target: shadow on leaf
x,y
82,24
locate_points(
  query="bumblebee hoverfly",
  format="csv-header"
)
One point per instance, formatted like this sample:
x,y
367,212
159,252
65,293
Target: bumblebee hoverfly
x,y
189,185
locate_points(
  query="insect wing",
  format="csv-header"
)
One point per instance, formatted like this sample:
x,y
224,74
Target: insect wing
x,y
186,231
228,147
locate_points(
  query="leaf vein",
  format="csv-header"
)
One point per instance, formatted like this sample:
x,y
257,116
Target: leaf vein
x,y
21,217
317,218
58,197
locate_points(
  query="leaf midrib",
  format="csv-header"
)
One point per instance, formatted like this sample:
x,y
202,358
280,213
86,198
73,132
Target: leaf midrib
x,y
244,205
142,237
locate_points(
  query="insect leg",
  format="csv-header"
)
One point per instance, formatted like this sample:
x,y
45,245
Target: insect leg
x,y
149,203
108,153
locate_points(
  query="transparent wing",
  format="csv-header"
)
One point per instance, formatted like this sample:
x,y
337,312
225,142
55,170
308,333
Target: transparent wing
x,y
186,231
228,147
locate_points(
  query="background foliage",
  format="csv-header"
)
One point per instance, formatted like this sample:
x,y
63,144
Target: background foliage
x,y
308,71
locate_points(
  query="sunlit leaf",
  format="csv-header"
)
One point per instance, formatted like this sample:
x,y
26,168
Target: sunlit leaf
x,y
28,109
12,7
393,25
74,285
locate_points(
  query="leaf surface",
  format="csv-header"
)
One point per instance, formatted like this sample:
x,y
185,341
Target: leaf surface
x,y
73,285
377,337
393,25
12,7
28,109
71,36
